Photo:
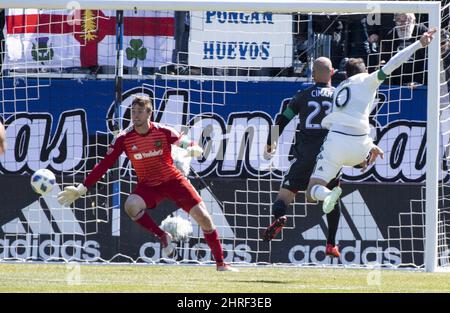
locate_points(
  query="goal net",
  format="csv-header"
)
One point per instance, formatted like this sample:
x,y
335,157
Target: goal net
x,y
221,76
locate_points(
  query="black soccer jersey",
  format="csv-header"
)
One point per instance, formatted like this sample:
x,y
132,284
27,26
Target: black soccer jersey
x,y
311,105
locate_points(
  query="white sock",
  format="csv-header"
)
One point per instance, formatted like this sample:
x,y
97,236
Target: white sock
x,y
319,192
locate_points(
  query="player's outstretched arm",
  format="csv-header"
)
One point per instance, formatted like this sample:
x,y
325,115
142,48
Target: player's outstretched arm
x,y
404,55
72,193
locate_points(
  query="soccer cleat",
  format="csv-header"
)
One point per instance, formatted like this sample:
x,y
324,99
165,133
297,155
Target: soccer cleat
x,y
274,228
224,267
167,245
332,251
330,200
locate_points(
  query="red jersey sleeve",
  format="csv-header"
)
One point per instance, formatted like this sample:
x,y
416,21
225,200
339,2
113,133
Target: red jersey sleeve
x,y
171,133
113,153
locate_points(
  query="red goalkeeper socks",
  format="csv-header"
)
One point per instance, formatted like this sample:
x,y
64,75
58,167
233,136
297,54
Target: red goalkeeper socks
x,y
212,239
149,224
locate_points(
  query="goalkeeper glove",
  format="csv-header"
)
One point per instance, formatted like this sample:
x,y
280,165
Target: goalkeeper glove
x,y
70,194
194,151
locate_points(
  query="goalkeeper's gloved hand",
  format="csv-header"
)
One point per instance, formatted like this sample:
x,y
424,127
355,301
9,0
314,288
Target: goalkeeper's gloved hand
x,y
70,194
194,151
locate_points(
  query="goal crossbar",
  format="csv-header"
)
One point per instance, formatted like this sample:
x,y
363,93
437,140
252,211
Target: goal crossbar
x,y
286,6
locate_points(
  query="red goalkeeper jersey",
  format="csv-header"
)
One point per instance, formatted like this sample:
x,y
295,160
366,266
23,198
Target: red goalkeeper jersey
x,y
150,155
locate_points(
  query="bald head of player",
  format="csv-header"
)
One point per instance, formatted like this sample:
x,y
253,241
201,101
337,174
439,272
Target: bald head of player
x,y
322,70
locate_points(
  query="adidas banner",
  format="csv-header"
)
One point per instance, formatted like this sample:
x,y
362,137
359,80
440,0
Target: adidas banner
x,y
67,127
41,230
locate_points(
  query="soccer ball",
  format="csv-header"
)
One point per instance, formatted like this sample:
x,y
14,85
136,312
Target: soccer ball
x,y
42,181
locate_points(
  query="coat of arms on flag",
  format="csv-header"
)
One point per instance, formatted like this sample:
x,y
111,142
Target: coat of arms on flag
x,y
57,39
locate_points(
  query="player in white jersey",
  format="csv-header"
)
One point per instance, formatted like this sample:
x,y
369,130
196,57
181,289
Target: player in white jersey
x,y
348,142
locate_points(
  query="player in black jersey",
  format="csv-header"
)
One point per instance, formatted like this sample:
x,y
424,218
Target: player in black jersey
x,y
311,105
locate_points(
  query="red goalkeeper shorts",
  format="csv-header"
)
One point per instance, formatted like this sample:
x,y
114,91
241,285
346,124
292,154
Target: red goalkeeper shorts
x,y
179,190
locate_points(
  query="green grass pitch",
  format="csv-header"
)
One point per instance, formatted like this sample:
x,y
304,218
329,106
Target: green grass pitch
x,y
205,279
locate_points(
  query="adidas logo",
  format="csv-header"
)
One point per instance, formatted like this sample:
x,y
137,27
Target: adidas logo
x,y
357,223
358,236
320,168
41,237
286,183
134,148
39,223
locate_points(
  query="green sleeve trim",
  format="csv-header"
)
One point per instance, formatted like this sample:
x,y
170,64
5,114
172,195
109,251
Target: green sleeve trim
x,y
289,113
381,75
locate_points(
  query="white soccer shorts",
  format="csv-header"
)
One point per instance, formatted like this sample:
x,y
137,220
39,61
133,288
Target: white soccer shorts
x,y
340,150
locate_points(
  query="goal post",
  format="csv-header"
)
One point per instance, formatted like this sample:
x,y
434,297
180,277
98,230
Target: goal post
x,y
433,133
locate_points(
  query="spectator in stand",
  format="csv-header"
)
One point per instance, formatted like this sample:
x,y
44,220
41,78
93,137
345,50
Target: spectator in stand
x,y
181,35
358,37
337,44
351,36
364,37
332,25
405,33
180,51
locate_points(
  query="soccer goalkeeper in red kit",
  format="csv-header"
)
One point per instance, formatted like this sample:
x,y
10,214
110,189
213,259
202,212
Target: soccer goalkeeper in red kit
x,y
148,146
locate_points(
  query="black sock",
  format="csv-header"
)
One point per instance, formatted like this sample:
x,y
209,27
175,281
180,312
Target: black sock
x,y
279,208
333,221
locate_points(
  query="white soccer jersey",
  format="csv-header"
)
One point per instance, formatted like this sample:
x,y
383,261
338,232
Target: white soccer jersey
x,y
348,142
353,102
